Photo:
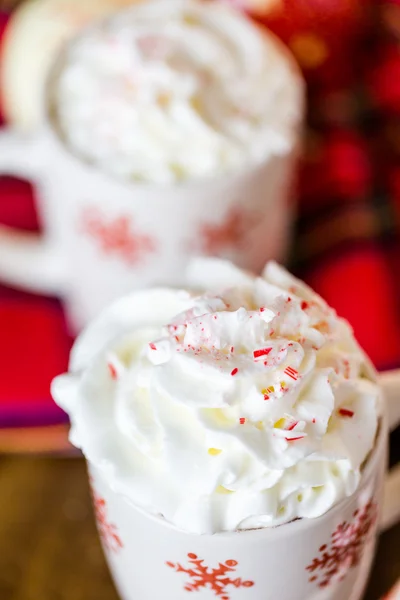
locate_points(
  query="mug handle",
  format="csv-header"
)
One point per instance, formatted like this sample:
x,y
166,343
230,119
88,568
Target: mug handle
x,y
27,260
390,383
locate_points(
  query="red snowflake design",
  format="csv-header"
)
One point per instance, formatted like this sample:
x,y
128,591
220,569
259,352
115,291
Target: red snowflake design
x,y
345,549
118,236
232,232
216,580
108,531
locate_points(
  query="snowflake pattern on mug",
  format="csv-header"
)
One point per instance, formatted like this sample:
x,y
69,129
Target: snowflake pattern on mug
x,y
117,236
216,580
345,549
231,233
108,531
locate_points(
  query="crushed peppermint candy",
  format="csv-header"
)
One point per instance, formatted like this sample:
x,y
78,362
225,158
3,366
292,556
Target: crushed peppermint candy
x,y
292,426
113,371
290,372
261,352
345,412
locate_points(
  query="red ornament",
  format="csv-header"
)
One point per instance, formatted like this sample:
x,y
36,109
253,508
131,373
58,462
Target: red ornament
x,y
384,81
216,580
348,164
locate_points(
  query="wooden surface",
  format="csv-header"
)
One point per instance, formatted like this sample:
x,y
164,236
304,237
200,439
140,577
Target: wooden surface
x,y
8,5
48,542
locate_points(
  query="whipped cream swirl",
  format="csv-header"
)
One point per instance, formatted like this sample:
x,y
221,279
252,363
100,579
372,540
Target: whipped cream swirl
x,y
246,406
176,89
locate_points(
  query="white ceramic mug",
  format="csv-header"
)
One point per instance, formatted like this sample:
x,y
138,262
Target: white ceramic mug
x,y
327,558
104,237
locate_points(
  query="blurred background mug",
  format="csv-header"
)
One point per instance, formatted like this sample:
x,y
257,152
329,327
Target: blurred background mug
x,y
105,235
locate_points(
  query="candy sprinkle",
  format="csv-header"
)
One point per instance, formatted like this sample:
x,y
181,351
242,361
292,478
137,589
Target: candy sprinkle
x,y
304,305
300,437
261,352
113,371
242,420
292,426
223,490
265,394
290,372
153,346
235,370
214,451
345,412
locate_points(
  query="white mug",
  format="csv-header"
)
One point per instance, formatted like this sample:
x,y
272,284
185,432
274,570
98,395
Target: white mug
x,y
327,558
104,237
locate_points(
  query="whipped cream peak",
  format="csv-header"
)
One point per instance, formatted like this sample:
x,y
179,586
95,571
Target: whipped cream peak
x,y
243,402
133,90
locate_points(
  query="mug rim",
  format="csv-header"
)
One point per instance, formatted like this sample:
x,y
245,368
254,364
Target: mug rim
x,y
373,462
293,137
184,185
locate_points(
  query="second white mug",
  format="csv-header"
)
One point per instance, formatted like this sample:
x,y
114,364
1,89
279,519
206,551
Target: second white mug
x,y
104,236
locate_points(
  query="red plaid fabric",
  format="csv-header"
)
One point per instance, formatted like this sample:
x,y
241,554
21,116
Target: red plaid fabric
x,y
347,241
